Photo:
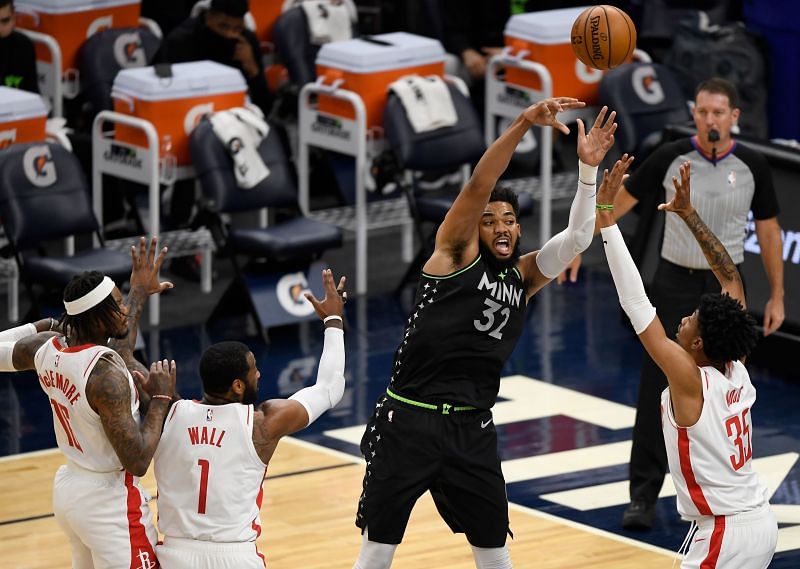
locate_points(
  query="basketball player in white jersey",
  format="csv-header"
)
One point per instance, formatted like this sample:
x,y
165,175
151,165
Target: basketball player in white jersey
x,y
706,410
97,499
213,454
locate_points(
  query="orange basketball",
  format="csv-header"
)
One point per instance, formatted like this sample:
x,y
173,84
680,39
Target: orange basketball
x,y
603,37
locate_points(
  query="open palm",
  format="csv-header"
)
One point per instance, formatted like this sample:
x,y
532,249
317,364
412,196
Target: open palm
x,y
592,147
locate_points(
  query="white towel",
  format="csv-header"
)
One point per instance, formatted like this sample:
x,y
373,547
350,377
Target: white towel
x,y
427,102
327,21
241,130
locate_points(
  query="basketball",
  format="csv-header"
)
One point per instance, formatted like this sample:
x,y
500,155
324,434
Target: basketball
x,y
603,37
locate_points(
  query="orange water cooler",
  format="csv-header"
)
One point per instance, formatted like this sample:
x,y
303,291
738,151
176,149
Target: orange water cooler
x,y
367,66
70,22
22,117
545,36
175,105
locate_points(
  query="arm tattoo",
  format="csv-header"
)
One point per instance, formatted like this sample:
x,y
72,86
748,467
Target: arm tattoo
x,y
264,443
109,394
717,256
137,297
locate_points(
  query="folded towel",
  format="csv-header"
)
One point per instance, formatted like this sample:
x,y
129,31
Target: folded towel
x,y
427,102
327,21
241,130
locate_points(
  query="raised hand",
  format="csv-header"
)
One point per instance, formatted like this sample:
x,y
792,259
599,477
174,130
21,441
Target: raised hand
x,y
612,183
681,203
146,267
159,381
544,112
335,297
592,147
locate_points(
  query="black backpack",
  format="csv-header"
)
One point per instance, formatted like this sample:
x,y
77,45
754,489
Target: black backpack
x,y
728,51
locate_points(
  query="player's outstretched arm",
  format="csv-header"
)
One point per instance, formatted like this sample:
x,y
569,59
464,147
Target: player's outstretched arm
x,y
540,267
676,363
144,282
276,418
108,393
18,345
717,256
460,226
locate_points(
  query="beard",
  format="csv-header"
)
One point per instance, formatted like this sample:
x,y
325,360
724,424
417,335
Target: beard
x,y
499,265
250,395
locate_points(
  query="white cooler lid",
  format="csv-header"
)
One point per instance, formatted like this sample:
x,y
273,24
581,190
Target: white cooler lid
x,y
68,6
385,52
193,79
546,27
16,104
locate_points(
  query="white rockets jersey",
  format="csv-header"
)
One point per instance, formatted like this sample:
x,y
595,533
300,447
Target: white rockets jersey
x,y
63,372
710,461
208,473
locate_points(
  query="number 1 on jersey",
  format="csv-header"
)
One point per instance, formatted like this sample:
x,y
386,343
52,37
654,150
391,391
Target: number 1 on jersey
x,y
201,498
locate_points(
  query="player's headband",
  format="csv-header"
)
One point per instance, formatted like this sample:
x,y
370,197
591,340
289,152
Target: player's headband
x,y
91,299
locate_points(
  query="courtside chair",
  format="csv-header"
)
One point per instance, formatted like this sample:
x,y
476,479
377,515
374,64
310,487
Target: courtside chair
x,y
44,199
288,243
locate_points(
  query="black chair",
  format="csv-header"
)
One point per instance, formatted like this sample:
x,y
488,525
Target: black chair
x,y
647,97
291,243
293,46
443,148
105,54
44,197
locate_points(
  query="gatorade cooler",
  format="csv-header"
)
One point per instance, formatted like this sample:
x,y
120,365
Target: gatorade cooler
x,y
546,37
22,117
175,105
265,12
368,65
70,22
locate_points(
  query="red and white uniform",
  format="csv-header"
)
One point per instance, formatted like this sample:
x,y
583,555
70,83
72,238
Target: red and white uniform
x,y
711,468
209,479
102,509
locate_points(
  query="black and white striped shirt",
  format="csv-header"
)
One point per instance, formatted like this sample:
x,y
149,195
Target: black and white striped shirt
x,y
722,193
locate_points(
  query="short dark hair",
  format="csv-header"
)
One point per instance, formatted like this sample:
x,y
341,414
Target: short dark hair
x,y
4,3
505,194
232,8
105,313
719,86
728,331
221,363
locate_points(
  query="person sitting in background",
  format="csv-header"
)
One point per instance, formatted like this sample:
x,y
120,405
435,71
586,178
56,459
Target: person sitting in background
x,y
17,55
219,34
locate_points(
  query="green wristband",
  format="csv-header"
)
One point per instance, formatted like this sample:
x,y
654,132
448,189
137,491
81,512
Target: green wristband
x,y
605,206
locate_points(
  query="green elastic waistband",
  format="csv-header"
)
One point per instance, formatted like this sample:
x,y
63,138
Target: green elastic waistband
x,y
443,408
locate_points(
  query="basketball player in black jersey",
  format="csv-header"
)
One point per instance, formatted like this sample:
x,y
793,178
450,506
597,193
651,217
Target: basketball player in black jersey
x,y
433,430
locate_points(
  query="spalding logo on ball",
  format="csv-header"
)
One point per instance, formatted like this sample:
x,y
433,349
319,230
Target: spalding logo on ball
x,y
603,37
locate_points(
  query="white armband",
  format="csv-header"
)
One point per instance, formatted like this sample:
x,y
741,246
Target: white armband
x,y
627,279
14,334
7,356
328,390
561,249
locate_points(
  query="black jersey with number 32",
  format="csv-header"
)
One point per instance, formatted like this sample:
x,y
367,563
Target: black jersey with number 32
x,y
461,330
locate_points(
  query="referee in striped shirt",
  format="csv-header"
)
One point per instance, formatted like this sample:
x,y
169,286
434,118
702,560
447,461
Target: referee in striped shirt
x,y
728,181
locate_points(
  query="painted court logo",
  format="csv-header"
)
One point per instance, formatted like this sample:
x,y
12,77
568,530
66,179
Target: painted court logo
x,y
39,167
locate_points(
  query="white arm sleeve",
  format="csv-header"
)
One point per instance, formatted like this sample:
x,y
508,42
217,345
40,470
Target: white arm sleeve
x,y
6,356
627,279
14,334
328,390
560,249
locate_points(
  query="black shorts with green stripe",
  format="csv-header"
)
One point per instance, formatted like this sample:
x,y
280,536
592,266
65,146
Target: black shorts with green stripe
x,y
450,449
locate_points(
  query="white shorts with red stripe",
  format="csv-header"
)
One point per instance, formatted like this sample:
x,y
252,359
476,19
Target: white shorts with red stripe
x,y
743,541
106,517
180,553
